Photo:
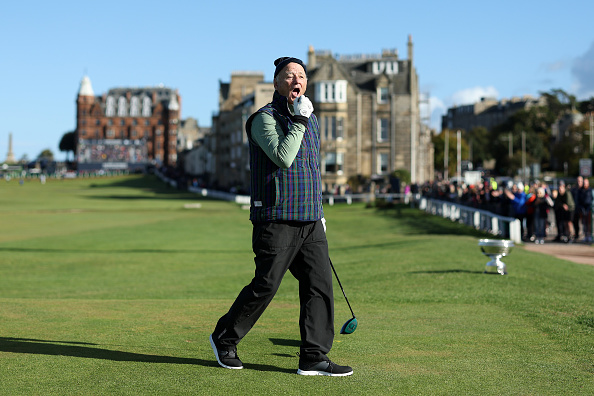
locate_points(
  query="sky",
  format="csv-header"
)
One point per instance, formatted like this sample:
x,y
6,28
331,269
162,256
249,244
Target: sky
x,y
463,50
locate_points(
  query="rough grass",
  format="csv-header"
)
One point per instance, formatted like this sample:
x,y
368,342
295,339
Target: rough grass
x,y
110,286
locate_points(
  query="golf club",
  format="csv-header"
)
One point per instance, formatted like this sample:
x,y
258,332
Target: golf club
x,y
350,325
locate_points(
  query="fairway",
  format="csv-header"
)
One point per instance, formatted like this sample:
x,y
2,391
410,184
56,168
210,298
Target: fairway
x,y
112,286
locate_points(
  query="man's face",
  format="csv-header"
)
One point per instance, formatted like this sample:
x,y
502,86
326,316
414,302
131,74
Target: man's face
x,y
291,82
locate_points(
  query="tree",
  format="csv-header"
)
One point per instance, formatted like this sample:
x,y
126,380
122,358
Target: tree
x,y
439,153
479,144
46,155
67,143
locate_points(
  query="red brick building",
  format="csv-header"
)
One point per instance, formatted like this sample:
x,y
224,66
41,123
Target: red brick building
x,y
126,128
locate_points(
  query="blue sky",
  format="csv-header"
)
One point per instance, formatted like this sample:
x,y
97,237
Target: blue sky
x,y
462,50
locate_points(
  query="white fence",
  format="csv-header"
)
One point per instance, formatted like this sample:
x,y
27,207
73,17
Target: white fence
x,y
506,227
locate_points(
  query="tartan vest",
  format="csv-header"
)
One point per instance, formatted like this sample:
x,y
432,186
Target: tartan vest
x,y
292,194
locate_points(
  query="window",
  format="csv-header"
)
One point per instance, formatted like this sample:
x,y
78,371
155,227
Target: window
x,y
382,163
389,67
331,91
110,134
122,106
383,126
333,127
135,106
339,128
146,106
382,95
334,163
110,106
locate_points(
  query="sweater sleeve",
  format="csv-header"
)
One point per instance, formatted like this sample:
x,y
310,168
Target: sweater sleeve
x,y
270,137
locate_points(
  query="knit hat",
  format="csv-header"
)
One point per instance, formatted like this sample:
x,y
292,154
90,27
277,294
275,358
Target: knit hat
x,y
280,63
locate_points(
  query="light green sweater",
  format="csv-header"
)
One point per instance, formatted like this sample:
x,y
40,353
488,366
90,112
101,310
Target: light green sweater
x,y
270,137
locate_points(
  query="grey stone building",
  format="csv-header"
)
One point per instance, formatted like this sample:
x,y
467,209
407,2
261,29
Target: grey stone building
x,y
238,99
368,108
488,112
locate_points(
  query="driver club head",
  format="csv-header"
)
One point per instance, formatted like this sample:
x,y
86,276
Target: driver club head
x,y
349,326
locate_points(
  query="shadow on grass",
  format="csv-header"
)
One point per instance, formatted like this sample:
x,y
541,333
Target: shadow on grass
x,y
285,342
149,184
450,271
83,350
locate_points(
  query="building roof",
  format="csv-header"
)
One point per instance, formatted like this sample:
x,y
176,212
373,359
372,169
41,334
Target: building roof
x,y
85,87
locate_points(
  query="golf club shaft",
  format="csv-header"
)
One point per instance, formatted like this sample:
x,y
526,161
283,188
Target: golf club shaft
x,y
340,284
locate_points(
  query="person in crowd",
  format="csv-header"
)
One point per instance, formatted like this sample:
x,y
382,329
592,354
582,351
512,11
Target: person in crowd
x,y
517,197
564,206
530,209
542,204
584,209
575,218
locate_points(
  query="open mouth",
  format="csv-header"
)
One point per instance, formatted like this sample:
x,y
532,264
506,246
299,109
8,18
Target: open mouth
x,y
295,92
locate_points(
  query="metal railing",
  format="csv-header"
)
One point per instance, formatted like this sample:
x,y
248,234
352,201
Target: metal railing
x,y
503,226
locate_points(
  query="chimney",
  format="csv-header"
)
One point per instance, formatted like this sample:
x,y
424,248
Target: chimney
x,y
311,58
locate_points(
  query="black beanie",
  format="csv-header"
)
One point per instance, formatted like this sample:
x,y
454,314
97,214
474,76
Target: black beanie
x,y
280,63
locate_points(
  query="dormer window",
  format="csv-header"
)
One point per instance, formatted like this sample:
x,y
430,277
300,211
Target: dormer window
x,y
135,106
122,106
110,106
146,106
388,67
331,91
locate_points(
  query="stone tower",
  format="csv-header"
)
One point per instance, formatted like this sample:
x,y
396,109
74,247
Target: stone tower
x,y
10,156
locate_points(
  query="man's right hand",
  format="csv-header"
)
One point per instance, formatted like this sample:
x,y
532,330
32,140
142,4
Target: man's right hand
x,y
302,106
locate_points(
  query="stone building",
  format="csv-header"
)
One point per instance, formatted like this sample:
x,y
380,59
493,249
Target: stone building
x,y
488,112
126,128
370,123
368,110
245,94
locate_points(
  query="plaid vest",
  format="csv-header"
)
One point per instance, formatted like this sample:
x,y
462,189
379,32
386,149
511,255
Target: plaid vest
x,y
292,194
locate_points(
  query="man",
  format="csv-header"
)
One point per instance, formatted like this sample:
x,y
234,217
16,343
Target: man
x,y
517,198
575,220
564,206
583,207
288,226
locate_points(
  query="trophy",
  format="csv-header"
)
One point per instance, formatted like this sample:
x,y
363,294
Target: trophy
x,y
495,249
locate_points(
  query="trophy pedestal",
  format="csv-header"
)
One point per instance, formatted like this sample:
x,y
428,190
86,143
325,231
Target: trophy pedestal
x,y
495,249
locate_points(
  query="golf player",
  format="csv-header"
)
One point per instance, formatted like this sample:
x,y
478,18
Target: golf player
x,y
288,226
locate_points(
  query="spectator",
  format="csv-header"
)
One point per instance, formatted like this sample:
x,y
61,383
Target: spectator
x,y
584,209
530,211
576,214
517,197
541,205
564,207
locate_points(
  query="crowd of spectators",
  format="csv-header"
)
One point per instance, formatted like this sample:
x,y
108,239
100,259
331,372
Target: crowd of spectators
x,y
563,211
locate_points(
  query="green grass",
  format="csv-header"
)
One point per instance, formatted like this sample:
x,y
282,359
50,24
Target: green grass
x,y
110,286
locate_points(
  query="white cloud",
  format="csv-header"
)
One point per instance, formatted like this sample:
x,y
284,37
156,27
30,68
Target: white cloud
x,y
583,73
473,95
466,96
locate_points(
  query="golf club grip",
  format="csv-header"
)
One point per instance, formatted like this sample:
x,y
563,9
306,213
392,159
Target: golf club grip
x,y
341,288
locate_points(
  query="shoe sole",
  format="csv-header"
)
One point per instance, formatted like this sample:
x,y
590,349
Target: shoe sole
x,y
216,353
327,374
